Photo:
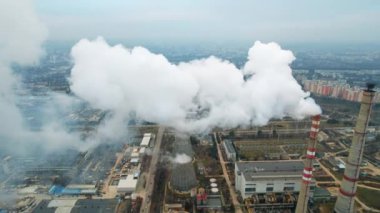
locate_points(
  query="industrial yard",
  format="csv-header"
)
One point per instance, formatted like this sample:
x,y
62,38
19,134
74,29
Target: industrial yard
x,y
152,167
73,180
193,173
217,172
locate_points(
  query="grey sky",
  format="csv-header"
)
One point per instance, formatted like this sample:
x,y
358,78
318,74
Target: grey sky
x,y
216,20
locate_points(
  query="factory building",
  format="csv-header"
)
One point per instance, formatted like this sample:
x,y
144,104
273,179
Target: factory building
x,y
73,190
135,153
337,163
145,142
76,205
128,184
230,150
260,177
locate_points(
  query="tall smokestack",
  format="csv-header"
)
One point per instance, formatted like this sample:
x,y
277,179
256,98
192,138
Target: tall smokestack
x,y
303,197
345,202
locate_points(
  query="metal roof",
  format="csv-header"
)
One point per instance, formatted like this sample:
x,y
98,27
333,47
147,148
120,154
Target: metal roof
x,y
81,186
95,206
146,139
80,206
62,203
259,169
127,184
229,146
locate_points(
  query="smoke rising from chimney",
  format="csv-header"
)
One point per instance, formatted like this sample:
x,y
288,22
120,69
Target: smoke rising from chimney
x,y
192,96
180,159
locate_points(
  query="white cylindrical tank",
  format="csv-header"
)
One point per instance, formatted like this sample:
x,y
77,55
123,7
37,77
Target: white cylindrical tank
x,y
214,190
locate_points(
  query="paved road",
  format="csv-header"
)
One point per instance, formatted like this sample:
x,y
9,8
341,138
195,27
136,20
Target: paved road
x,y
225,173
145,207
364,206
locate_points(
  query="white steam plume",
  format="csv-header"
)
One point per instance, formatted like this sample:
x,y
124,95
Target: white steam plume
x,y
21,37
135,80
181,159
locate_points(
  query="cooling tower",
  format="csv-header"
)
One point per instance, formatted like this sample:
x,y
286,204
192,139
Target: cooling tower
x,y
183,177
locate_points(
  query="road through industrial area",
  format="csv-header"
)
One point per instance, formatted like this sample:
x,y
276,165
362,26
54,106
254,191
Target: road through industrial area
x,y
225,173
337,181
152,171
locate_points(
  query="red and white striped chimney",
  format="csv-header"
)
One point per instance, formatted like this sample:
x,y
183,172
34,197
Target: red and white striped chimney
x,y
303,197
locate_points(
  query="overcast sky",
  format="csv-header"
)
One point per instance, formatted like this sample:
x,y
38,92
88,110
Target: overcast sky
x,y
327,21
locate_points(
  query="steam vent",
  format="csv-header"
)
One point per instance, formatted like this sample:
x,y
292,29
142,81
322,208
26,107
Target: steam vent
x,y
183,177
347,191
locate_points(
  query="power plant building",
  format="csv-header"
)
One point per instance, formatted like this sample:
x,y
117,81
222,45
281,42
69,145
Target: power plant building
x,y
146,140
127,185
260,177
230,150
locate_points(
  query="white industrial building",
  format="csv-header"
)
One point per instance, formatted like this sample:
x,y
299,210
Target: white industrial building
x,y
259,177
142,151
146,140
127,185
230,150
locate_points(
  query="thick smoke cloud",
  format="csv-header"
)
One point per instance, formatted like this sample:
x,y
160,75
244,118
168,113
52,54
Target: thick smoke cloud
x,y
21,37
191,96
20,40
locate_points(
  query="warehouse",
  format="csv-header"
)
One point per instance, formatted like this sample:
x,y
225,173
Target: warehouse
x,y
260,177
127,185
146,140
73,190
230,150
76,206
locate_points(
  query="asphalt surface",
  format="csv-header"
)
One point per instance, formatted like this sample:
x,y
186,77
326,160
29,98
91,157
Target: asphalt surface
x,y
145,207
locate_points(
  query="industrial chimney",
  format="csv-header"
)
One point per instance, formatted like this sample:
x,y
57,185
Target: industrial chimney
x,y
303,196
345,202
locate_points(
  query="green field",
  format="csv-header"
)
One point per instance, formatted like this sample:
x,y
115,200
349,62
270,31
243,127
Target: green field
x,y
369,197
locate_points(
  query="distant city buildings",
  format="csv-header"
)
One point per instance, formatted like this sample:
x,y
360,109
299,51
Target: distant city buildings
x,y
336,89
